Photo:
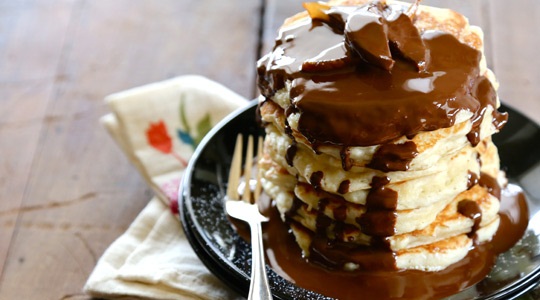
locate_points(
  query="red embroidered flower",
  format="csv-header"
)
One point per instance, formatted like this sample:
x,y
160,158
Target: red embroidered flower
x,y
157,137
173,205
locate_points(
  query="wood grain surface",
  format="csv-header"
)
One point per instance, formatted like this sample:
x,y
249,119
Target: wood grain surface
x,y
66,190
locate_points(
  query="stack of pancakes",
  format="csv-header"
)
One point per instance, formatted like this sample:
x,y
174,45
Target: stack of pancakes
x,y
384,197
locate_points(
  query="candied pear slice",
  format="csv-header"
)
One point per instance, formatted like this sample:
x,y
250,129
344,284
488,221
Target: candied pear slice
x,y
406,41
317,11
366,34
331,59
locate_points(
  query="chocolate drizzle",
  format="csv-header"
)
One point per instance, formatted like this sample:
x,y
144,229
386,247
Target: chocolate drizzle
x,y
486,181
296,204
381,203
344,186
472,180
291,153
332,244
471,210
323,221
316,178
380,196
346,161
486,95
490,184
394,157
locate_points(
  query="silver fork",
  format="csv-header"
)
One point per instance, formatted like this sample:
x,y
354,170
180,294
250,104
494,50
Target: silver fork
x,y
243,208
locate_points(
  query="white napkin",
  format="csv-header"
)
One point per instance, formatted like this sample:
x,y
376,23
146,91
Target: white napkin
x,y
158,126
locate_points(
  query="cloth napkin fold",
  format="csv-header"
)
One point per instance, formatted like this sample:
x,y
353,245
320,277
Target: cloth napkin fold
x,y
158,126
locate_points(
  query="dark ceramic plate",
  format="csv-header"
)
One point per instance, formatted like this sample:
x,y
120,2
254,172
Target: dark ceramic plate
x,y
228,256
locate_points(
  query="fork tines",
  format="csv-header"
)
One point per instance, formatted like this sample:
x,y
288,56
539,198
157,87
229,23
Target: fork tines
x,y
235,172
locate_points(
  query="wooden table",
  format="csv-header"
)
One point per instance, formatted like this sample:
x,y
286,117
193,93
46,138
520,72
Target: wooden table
x,y
66,190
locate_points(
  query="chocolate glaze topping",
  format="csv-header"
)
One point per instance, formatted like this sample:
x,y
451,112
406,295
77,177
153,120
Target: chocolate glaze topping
x,y
366,76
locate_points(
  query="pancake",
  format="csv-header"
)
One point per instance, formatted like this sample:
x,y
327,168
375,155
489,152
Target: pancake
x,y
378,151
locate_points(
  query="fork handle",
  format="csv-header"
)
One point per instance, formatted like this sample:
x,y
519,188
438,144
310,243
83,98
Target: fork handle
x,y
259,288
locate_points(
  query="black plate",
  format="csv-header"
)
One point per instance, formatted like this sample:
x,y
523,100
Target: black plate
x,y
228,256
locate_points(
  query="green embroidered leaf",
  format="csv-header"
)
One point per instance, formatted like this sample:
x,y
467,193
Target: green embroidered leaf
x,y
204,125
183,118
185,137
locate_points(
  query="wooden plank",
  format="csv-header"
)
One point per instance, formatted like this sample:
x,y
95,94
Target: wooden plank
x,y
515,53
26,83
82,193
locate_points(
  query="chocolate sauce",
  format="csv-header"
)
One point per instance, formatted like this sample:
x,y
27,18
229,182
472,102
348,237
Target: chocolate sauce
x,y
471,210
346,161
366,34
378,222
490,184
288,111
472,180
394,157
323,221
296,204
316,178
332,249
486,95
370,101
333,255
344,186
406,42
340,213
291,153
381,203
514,214
284,256
380,196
